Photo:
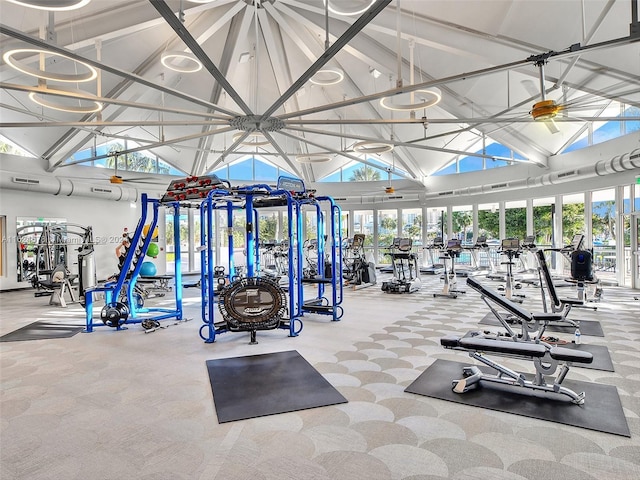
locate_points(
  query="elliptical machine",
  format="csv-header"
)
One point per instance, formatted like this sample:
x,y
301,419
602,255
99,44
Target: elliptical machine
x,y
451,252
406,274
357,272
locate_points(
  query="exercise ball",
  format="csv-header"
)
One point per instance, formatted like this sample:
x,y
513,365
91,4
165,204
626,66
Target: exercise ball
x,y
148,269
153,250
145,231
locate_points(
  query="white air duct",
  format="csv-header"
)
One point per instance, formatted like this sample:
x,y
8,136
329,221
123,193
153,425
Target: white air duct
x,y
62,186
617,164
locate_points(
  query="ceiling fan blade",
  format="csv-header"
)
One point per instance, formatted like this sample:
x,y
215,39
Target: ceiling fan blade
x,y
531,88
551,125
149,181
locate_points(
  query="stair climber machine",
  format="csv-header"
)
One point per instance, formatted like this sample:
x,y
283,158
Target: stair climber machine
x,y
450,286
122,304
358,272
406,274
510,247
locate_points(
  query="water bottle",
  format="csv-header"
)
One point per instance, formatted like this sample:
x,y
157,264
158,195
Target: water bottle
x,y
577,336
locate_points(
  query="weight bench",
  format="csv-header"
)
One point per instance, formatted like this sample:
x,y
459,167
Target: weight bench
x,y
546,360
533,324
156,285
58,284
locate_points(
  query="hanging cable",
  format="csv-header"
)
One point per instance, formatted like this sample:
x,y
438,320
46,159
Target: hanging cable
x,y
399,44
326,25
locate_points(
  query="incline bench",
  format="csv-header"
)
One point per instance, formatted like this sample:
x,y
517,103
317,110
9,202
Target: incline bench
x,y
532,323
546,360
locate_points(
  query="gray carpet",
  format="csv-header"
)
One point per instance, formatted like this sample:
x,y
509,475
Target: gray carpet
x,y
116,405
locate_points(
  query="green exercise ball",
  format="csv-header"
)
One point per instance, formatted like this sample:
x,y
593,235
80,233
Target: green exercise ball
x,y
153,250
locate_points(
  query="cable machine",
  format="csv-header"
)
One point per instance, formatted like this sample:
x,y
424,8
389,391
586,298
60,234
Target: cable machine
x,y
43,260
253,300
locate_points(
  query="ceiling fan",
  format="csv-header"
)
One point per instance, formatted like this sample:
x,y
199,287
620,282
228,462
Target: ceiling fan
x,y
546,110
118,179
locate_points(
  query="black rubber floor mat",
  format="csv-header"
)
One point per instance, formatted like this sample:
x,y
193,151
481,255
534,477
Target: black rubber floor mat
x,y
602,409
267,384
587,327
41,331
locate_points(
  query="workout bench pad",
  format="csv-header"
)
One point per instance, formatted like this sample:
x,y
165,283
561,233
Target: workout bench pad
x,y
41,331
602,410
267,384
590,328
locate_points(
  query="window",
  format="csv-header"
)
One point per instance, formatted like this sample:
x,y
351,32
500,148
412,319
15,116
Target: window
x,y
489,221
473,163
142,161
354,171
7,146
251,169
602,131
515,219
572,216
543,209
462,219
387,231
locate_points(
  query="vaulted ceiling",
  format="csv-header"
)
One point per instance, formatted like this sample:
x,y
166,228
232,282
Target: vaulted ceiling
x,y
269,83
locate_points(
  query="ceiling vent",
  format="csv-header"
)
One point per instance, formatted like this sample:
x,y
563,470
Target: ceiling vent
x,y
343,199
26,181
395,197
450,192
101,190
499,185
570,173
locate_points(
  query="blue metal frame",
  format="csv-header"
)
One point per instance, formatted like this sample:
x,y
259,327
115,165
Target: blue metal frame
x,y
219,199
332,307
127,278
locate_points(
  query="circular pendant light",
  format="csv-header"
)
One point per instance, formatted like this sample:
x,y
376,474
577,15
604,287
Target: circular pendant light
x,y
313,158
368,147
90,74
90,106
254,139
52,5
173,60
358,10
428,98
327,76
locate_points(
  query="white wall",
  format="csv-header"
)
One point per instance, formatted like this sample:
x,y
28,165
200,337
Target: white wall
x,y
107,217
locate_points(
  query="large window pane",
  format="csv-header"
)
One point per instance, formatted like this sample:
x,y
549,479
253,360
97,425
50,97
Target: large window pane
x,y
543,221
515,219
436,225
572,216
489,221
387,231
363,223
412,224
462,217
184,242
